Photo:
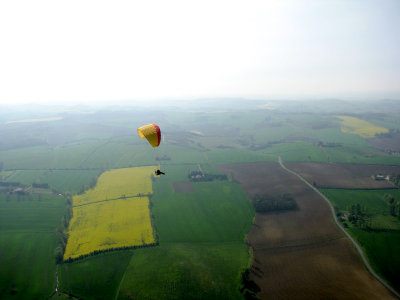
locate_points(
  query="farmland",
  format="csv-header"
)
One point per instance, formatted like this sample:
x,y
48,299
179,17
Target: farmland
x,y
285,243
380,237
112,214
200,236
95,277
201,244
348,176
111,224
117,183
27,243
201,241
360,127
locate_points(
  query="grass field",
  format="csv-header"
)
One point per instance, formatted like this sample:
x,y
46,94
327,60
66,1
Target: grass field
x,y
27,244
27,265
42,157
297,151
360,127
370,200
67,181
37,212
382,243
95,277
185,271
71,181
5,174
383,250
217,211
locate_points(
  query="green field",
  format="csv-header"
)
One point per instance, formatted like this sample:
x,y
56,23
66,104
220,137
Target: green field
x,y
382,240
201,234
201,247
383,250
95,277
185,271
27,244
26,177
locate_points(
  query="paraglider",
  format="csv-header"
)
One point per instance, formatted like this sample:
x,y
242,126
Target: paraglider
x,y
152,133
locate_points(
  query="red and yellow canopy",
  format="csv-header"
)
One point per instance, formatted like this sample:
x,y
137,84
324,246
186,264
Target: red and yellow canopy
x,y
152,133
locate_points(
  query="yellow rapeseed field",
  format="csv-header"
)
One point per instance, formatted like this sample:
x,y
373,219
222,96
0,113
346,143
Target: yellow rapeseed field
x,y
110,224
116,183
360,127
98,225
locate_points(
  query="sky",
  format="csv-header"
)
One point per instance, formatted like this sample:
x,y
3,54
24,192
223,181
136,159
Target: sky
x,y
91,51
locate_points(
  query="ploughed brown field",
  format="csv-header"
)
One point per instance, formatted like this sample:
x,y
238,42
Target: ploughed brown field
x,y
183,187
386,142
348,176
300,254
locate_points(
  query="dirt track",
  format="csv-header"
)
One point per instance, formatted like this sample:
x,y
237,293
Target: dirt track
x,y
301,254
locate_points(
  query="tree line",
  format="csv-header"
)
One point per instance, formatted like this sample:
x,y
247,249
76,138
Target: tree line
x,y
360,218
248,287
95,252
89,186
267,203
396,180
394,205
62,232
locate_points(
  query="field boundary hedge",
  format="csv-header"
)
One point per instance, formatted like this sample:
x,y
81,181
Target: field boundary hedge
x,y
70,260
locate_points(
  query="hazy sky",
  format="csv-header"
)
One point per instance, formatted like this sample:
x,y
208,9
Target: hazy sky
x,y
105,50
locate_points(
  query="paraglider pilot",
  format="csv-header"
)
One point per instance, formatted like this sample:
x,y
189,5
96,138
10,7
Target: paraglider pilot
x,y
152,133
158,172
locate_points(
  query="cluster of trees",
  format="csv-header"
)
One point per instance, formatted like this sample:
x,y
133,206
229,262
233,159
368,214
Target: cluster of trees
x,y
248,287
394,205
396,180
10,184
266,203
197,176
111,249
357,217
61,232
12,188
89,186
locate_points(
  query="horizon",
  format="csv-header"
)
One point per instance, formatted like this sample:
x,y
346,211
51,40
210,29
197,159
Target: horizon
x,y
177,50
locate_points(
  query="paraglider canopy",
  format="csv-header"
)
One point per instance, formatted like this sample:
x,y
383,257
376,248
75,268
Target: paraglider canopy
x,y
152,133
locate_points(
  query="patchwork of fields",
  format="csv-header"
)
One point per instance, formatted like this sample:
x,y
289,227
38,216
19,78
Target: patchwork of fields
x,y
300,254
27,244
346,176
201,247
114,214
202,229
380,235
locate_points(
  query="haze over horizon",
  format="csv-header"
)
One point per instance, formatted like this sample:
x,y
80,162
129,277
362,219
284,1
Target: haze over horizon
x,y
84,52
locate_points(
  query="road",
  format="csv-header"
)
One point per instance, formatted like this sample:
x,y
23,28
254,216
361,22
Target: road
x,y
356,245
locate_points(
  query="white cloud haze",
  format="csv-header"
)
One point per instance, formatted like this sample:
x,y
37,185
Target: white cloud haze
x,y
104,50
